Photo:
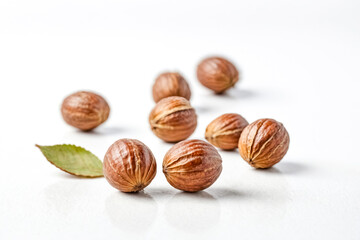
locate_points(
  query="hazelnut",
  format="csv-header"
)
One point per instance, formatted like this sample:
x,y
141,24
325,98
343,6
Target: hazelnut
x,y
85,110
224,132
129,165
192,165
217,74
173,119
264,143
170,84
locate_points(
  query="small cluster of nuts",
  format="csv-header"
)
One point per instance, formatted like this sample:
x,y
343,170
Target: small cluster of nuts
x,y
190,165
262,143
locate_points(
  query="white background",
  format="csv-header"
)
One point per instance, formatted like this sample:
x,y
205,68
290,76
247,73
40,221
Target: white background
x,y
300,65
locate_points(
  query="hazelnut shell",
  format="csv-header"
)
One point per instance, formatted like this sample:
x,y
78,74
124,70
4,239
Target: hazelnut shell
x,y
129,165
264,143
85,110
224,132
173,119
170,84
217,74
192,165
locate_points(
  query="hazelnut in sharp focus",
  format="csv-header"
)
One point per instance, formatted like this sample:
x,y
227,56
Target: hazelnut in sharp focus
x,y
85,110
192,165
224,132
217,74
264,143
170,84
173,119
129,165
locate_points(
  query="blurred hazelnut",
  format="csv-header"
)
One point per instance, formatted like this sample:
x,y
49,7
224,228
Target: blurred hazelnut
x,y
129,165
264,143
170,84
224,132
85,110
173,119
192,165
217,74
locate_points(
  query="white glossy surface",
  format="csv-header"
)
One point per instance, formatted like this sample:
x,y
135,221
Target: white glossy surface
x,y
300,65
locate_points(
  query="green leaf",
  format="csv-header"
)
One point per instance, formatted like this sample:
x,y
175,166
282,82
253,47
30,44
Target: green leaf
x,y
74,160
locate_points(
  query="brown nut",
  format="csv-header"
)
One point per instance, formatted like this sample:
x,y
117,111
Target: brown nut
x,y
224,132
264,143
173,119
192,165
129,165
217,74
170,84
85,110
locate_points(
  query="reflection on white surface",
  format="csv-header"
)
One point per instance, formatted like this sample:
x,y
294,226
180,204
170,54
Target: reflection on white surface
x,y
265,191
227,193
67,197
131,212
192,212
